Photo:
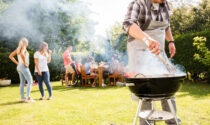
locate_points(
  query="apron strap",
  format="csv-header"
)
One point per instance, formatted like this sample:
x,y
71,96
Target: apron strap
x,y
167,8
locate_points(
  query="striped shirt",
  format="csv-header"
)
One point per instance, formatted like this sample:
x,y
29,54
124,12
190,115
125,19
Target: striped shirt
x,y
141,10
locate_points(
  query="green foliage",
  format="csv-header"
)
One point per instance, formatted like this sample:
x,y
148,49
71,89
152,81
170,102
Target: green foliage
x,y
185,52
4,4
8,68
190,19
118,38
203,54
9,71
59,28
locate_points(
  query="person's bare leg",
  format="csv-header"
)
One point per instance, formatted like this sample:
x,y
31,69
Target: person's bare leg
x,y
66,79
73,76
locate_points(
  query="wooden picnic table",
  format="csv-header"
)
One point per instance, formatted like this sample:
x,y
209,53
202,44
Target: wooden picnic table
x,y
100,70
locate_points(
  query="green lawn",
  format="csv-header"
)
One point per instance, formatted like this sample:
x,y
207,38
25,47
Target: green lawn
x,y
95,106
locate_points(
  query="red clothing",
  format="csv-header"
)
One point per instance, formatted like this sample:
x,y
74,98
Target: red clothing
x,y
66,60
78,68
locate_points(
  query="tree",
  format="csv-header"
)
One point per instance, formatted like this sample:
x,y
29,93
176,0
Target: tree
x,y
55,22
118,37
190,18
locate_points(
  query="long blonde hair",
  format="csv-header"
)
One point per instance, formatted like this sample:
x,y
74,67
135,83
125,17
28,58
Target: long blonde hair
x,y
42,46
21,44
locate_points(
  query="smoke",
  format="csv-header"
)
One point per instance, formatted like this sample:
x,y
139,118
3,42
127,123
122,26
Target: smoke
x,y
148,64
46,20
15,22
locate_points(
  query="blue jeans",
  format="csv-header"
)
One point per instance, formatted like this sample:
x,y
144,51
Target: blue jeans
x,y
25,75
46,79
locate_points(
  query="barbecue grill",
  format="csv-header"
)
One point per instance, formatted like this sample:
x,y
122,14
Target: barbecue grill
x,y
155,89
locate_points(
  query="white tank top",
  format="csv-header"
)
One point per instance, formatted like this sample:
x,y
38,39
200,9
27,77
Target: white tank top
x,y
20,60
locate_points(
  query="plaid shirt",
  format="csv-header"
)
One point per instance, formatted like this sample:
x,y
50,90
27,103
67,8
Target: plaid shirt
x,y
138,12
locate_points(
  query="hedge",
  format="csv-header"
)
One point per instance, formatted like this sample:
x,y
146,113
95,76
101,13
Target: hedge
x,y
185,52
56,67
8,68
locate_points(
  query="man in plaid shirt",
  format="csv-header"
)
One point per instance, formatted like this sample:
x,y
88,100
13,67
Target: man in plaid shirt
x,y
147,25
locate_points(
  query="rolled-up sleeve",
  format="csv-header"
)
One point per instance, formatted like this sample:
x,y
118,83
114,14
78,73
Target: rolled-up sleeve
x,y
132,15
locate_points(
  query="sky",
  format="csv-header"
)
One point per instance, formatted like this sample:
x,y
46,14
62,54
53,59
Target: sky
x,y
107,12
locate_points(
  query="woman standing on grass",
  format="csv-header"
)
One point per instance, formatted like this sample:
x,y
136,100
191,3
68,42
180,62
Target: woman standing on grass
x,y
22,68
41,58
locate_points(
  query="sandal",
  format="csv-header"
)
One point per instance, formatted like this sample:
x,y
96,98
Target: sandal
x,y
50,98
22,99
42,98
29,100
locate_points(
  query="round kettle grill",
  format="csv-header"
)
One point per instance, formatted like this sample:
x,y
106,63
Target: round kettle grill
x,y
155,89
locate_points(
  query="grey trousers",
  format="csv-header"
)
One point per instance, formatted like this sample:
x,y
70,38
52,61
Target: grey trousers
x,y
147,105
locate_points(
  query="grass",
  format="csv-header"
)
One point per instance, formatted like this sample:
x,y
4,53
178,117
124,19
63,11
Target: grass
x,y
95,106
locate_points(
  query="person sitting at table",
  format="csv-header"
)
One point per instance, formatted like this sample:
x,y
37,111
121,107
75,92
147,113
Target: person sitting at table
x,y
78,64
113,64
89,70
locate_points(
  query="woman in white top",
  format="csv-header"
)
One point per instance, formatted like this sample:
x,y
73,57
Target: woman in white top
x,y
41,58
22,68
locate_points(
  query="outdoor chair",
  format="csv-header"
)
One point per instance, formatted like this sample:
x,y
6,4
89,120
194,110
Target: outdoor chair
x,y
85,77
114,77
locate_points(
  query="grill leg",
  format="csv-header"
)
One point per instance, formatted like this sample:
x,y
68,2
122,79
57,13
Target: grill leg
x,y
172,110
137,112
154,108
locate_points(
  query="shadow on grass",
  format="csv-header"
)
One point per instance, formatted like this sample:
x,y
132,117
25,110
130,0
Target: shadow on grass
x,y
63,88
196,89
10,103
11,86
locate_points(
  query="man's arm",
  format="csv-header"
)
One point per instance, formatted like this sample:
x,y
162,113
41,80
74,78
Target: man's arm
x,y
169,37
130,27
136,32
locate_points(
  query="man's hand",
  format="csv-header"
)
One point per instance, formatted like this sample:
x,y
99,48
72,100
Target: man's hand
x,y
172,49
154,46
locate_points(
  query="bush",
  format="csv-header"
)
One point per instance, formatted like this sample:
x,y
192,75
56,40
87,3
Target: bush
x,y
203,55
9,69
186,50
